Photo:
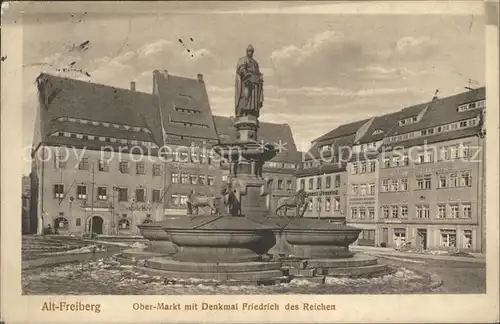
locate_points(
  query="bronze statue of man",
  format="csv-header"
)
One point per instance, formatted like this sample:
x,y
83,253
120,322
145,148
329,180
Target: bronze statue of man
x,y
249,95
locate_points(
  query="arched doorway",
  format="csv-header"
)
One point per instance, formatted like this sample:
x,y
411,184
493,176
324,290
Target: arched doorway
x,y
61,225
96,224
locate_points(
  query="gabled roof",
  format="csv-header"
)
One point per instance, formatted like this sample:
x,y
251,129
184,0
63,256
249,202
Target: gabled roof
x,y
342,130
65,97
270,133
174,94
337,143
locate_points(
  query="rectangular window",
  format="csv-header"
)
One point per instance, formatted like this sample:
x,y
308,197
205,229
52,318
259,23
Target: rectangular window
x,y
210,180
122,194
363,167
406,160
371,166
184,178
140,195
102,193
354,213
362,213
441,211
371,189
81,192
354,189
444,154
328,202
302,184
140,168
427,182
156,170
156,195
371,212
174,177
420,182
448,238
311,183
466,211
395,161
454,211
387,163
78,221
394,185
289,184
465,179
385,185
58,191
337,181
442,181
427,211
362,190
404,184
83,164
404,211
202,180
394,212
453,180
354,168
319,202
318,183
183,199
310,204
280,184
103,166
419,211
467,239
399,236
328,182
123,167
385,211
193,179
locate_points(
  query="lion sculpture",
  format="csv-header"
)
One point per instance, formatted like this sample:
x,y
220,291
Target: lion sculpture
x,y
297,201
195,201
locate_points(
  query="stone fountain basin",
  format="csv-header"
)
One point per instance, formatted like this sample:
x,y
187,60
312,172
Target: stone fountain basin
x,y
155,231
344,236
307,231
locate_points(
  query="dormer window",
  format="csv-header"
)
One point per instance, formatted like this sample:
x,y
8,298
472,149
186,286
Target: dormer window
x,y
137,129
105,124
409,120
472,105
126,127
83,121
377,131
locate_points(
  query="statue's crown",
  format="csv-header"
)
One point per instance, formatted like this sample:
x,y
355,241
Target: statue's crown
x,y
250,48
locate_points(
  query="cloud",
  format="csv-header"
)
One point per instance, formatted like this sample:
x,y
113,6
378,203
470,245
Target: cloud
x,y
415,47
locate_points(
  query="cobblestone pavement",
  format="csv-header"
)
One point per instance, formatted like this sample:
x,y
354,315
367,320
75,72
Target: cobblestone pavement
x,y
105,276
458,277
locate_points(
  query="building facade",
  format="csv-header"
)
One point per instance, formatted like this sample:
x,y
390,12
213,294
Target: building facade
x,y
106,160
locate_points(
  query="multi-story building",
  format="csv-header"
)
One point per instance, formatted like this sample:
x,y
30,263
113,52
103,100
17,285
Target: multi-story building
x,y
363,177
431,176
324,176
108,159
280,171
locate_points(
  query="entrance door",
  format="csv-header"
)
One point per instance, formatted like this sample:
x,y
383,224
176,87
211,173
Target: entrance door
x,y
385,235
422,238
95,225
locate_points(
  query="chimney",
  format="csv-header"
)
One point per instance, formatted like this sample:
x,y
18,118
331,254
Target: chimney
x,y
435,95
132,85
165,74
200,77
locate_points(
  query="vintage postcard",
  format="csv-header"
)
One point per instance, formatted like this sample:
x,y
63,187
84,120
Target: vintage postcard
x,y
249,162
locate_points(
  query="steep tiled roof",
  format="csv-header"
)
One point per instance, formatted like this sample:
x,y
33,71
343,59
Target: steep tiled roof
x,y
268,132
342,130
382,125
65,97
175,93
338,143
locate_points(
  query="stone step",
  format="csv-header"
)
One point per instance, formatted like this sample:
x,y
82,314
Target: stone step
x,y
172,265
355,261
249,276
358,272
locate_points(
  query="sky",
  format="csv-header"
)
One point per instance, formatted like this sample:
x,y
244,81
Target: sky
x,y
320,71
